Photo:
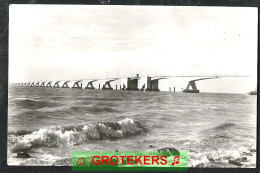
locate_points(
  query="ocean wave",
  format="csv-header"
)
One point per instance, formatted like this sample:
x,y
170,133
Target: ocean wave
x,y
74,135
225,126
244,156
24,98
196,159
77,108
101,109
30,103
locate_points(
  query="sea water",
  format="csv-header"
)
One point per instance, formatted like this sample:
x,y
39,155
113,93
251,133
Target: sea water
x,y
50,123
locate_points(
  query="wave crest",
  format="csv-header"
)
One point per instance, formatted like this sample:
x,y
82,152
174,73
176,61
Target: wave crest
x,y
225,126
74,135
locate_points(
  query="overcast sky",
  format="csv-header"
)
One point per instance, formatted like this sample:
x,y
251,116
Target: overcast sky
x,y
70,42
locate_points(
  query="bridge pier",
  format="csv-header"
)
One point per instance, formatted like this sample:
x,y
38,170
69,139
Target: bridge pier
x,y
42,84
193,86
90,85
77,85
56,85
107,86
153,86
149,84
130,83
37,84
65,84
48,85
32,85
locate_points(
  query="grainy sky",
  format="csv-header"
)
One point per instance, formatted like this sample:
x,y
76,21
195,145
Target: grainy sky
x,y
70,42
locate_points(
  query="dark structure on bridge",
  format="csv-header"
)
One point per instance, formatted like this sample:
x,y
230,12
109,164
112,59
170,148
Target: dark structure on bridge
x,y
130,83
149,83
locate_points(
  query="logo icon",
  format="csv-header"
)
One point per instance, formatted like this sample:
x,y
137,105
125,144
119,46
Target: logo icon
x,y
82,161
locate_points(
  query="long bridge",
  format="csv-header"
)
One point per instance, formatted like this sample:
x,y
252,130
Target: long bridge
x,y
136,83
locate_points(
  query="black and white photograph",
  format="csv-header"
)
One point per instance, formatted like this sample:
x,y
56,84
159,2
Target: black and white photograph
x,y
132,78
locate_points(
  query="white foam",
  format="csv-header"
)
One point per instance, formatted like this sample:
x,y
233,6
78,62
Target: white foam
x,y
58,136
25,98
197,159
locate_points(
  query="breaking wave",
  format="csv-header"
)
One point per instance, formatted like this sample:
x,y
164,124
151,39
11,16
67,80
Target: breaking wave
x,y
244,156
73,135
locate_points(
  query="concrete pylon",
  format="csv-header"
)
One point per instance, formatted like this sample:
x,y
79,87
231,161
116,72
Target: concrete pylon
x,y
65,84
42,84
130,83
193,86
107,86
48,85
90,85
77,85
193,89
149,84
37,84
32,84
56,85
